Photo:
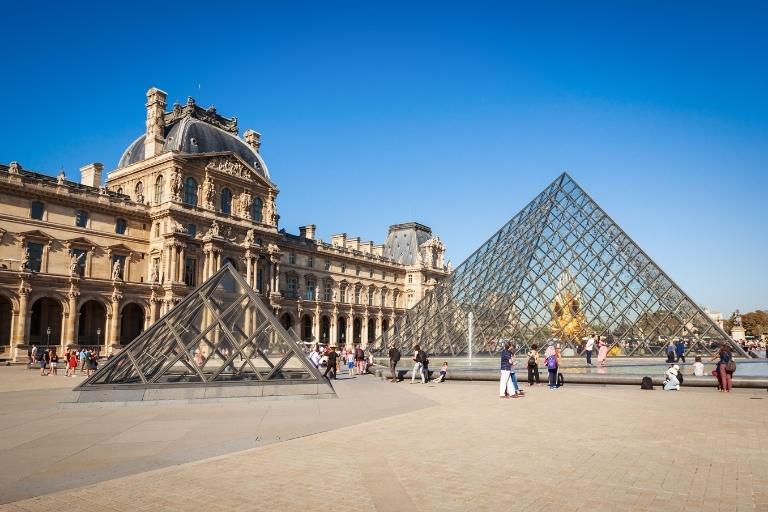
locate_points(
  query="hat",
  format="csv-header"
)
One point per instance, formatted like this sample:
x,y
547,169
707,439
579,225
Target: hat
x,y
676,367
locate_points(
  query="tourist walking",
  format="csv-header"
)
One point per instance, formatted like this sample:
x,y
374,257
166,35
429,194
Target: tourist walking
x,y
394,358
506,389
351,363
418,364
54,358
360,360
725,368
41,356
552,365
588,347
83,356
602,352
512,374
679,351
72,363
533,365
331,364
315,357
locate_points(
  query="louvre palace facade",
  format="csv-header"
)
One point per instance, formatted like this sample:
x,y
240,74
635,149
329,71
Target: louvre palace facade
x,y
94,264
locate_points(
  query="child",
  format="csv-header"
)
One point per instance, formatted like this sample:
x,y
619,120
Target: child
x,y
351,364
443,372
698,367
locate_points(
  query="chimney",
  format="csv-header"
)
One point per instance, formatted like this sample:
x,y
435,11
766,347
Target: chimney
x,y
307,231
155,135
253,139
91,174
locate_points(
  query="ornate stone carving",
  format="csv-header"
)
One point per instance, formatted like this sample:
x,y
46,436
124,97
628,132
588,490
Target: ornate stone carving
x,y
154,275
61,178
155,114
244,202
14,168
176,227
24,264
175,185
269,209
208,115
116,268
250,238
213,231
229,166
74,262
209,193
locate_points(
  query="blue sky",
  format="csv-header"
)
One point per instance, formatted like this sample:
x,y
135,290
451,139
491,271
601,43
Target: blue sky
x,y
452,114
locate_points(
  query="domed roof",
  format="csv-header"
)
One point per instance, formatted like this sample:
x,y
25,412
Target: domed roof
x,y
193,136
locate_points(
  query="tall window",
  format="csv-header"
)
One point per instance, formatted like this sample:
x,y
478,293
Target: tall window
x,y
37,210
410,278
310,293
328,291
343,268
293,285
35,256
190,271
357,270
120,226
310,261
121,259
409,300
190,191
159,189
139,192
81,219
327,264
256,208
260,280
292,258
226,201
191,229
370,296
157,229
80,254
357,295
370,272
383,298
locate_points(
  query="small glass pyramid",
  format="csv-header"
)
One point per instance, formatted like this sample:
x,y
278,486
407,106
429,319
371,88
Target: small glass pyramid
x,y
560,270
220,334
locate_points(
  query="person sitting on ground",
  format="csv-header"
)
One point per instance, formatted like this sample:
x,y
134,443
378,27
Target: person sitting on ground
x,y
698,367
443,373
671,382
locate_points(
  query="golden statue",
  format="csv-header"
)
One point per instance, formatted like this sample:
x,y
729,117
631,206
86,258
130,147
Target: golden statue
x,y
567,316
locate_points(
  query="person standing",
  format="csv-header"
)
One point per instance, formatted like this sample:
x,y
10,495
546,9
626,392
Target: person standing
x,y
533,365
42,356
331,364
512,373
417,365
602,352
552,366
314,357
54,357
725,368
425,364
394,358
671,351
680,351
31,352
506,389
360,360
588,348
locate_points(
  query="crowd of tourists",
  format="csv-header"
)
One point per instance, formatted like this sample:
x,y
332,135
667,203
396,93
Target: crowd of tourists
x,y
48,360
355,360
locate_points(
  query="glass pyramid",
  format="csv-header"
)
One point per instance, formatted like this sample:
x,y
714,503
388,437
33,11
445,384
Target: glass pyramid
x,y
221,333
561,269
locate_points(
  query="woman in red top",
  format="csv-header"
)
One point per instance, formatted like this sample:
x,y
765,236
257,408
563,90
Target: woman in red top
x,y
72,364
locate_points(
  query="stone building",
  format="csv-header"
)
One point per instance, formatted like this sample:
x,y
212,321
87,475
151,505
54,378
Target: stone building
x,y
92,264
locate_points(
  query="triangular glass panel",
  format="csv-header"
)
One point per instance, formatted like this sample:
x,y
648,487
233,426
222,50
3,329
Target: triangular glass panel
x,y
560,270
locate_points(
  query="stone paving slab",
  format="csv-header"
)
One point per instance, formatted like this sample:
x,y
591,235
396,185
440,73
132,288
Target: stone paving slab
x,y
580,448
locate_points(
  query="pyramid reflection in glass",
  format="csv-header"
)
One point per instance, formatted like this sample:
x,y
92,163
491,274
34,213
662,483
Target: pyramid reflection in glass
x,y
220,341
560,270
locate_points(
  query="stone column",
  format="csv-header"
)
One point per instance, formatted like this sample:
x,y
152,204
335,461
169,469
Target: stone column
x,y
114,323
248,272
20,334
69,335
182,257
333,332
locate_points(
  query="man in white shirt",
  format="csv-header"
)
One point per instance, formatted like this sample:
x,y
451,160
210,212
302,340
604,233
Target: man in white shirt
x,y
588,349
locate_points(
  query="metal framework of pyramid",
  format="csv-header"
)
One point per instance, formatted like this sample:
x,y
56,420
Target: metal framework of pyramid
x,y
220,341
561,269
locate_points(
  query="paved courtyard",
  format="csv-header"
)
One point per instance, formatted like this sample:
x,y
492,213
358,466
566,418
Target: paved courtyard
x,y
383,446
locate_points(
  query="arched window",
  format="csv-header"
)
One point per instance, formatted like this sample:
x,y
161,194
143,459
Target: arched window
x,y
190,191
159,186
139,192
120,226
256,207
226,201
37,210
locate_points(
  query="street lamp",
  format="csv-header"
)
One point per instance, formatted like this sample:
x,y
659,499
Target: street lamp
x,y
48,331
98,335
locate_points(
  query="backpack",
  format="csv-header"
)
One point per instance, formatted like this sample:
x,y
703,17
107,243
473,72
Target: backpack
x,y
531,360
680,377
552,362
424,358
730,366
396,355
647,383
